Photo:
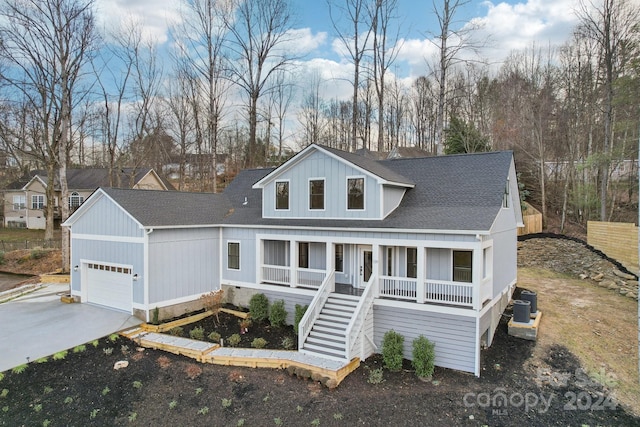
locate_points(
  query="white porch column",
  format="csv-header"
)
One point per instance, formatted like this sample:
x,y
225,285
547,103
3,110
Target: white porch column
x,y
259,260
476,268
376,268
293,278
330,262
421,274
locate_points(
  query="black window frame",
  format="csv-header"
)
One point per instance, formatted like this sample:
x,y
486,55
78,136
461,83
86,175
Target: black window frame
x,y
282,195
316,194
355,201
412,262
233,256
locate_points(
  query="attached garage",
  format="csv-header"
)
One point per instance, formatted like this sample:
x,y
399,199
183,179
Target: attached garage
x,y
109,286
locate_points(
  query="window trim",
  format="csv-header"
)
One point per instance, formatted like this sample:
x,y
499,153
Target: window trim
x,y
37,205
506,197
229,243
341,251
275,191
324,194
78,196
454,267
306,255
413,265
364,192
21,204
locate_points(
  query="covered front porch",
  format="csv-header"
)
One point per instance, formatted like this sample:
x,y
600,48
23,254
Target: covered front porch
x,y
454,274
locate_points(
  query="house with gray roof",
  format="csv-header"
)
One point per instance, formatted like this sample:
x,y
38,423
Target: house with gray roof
x,y
25,200
422,246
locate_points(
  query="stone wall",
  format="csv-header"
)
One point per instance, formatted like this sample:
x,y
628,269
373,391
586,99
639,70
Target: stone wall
x,y
619,240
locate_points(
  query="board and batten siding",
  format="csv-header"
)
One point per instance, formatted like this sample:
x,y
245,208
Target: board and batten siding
x,y
505,260
182,263
335,173
109,252
105,218
454,336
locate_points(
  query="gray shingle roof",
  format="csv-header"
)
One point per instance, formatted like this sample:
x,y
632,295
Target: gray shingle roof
x,y
459,192
155,208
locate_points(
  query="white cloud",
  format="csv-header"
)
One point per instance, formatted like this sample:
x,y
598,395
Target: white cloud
x,y
154,15
302,41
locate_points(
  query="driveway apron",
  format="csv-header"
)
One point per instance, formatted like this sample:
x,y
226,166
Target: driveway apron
x,y
39,324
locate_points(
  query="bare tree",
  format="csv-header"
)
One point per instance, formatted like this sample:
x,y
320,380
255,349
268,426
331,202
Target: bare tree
x,y
385,52
613,25
310,114
451,42
354,40
46,45
281,97
260,31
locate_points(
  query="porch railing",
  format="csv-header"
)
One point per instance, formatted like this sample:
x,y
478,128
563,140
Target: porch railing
x,y
310,278
280,275
398,287
445,292
315,307
357,323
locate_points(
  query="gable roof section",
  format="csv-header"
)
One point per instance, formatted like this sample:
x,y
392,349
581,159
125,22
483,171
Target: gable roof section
x,y
365,164
164,209
458,192
91,178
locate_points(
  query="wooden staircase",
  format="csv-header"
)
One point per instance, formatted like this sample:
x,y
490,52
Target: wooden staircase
x,y
327,337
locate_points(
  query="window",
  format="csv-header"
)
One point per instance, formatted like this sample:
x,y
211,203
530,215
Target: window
x,y
355,193
412,262
37,201
462,266
303,255
75,200
233,255
282,195
340,258
316,194
19,202
505,196
389,271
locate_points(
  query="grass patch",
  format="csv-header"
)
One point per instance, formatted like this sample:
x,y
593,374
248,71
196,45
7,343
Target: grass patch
x,y
60,355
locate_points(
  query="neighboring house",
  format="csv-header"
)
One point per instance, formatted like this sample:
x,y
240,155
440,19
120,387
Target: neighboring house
x,y
25,200
422,246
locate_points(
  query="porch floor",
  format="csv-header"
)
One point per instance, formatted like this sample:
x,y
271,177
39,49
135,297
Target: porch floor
x,y
347,290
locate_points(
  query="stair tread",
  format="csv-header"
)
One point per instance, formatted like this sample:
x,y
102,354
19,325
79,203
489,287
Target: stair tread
x,y
333,320
319,349
336,313
327,336
325,343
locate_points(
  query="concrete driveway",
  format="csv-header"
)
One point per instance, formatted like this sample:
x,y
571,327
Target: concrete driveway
x,y
38,325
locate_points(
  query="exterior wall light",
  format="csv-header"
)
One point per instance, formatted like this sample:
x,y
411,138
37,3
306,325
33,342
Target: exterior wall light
x,y
75,268
135,277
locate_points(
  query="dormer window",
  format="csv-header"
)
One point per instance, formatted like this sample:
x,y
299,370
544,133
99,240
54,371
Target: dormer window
x,y
355,193
282,195
316,194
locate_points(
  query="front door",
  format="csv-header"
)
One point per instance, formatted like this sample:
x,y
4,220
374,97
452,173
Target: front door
x,y
365,265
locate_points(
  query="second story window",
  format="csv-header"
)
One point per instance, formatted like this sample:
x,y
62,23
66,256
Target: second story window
x,y
355,193
75,200
316,194
37,201
19,203
282,195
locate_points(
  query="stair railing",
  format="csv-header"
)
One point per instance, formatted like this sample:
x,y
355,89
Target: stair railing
x,y
314,309
354,329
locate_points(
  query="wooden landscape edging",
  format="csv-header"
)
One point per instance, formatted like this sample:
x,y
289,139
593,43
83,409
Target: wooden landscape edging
x,y
164,327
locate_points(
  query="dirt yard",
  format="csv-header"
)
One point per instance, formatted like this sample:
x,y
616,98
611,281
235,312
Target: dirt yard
x,y
581,371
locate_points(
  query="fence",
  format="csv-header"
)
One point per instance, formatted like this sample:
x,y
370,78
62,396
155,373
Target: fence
x,y
532,219
29,244
618,240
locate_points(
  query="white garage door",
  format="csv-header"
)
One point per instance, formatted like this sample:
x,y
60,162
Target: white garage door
x,y
110,286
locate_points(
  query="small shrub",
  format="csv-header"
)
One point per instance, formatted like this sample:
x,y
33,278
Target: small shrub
x,y
376,376
197,333
337,416
133,416
46,423
47,389
95,343
315,422
105,391
424,354
203,410
259,343
1,376
287,343
244,325
177,331
4,393
107,351
277,314
234,340
124,349
94,413
37,253
240,422
392,350
37,407
68,400
298,315
259,307
137,384
60,355
5,409
19,369
213,302
215,336
114,337
226,403
79,348
173,404
277,421
198,391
